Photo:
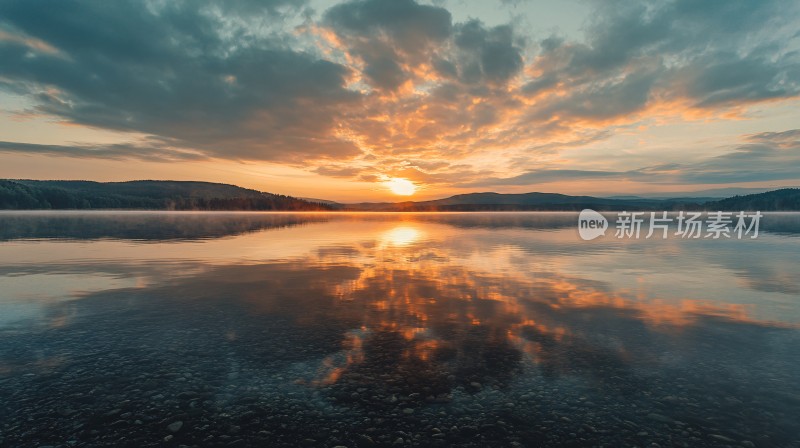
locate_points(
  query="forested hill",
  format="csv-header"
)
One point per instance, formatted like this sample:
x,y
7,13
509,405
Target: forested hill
x,y
142,195
175,195
786,199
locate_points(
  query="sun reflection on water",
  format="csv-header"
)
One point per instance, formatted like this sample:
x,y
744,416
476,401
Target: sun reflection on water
x,y
402,236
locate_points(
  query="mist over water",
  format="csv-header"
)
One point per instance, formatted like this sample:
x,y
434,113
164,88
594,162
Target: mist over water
x,y
455,329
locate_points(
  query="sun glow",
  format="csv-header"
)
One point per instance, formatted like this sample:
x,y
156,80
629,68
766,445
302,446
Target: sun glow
x,y
401,236
400,186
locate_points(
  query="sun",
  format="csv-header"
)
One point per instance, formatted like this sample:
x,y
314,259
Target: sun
x,y
400,186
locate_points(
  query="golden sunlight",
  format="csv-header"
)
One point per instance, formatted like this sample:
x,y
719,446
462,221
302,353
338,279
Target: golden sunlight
x,y
400,186
401,236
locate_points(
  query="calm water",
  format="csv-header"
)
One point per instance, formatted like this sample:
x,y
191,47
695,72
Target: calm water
x,y
150,329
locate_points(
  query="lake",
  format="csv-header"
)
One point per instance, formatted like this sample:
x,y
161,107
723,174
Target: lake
x,y
456,329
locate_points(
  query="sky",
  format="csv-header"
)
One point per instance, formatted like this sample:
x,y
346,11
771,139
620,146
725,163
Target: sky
x,y
372,100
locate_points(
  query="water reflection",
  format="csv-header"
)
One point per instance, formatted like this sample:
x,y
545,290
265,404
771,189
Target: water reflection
x,y
402,236
365,325
143,225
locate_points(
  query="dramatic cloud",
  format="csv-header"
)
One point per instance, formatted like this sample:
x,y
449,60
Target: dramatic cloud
x,y
391,37
767,156
372,88
154,152
171,72
764,157
705,54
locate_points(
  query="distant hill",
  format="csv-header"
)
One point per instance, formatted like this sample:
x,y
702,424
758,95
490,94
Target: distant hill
x,y
174,195
323,201
709,194
786,199
778,200
528,202
142,195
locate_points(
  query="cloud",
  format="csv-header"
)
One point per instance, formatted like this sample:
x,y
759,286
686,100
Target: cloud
x,y
390,37
726,78
173,73
785,139
338,171
638,61
373,88
769,156
541,176
763,157
700,53
154,151
486,54
601,101
408,24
